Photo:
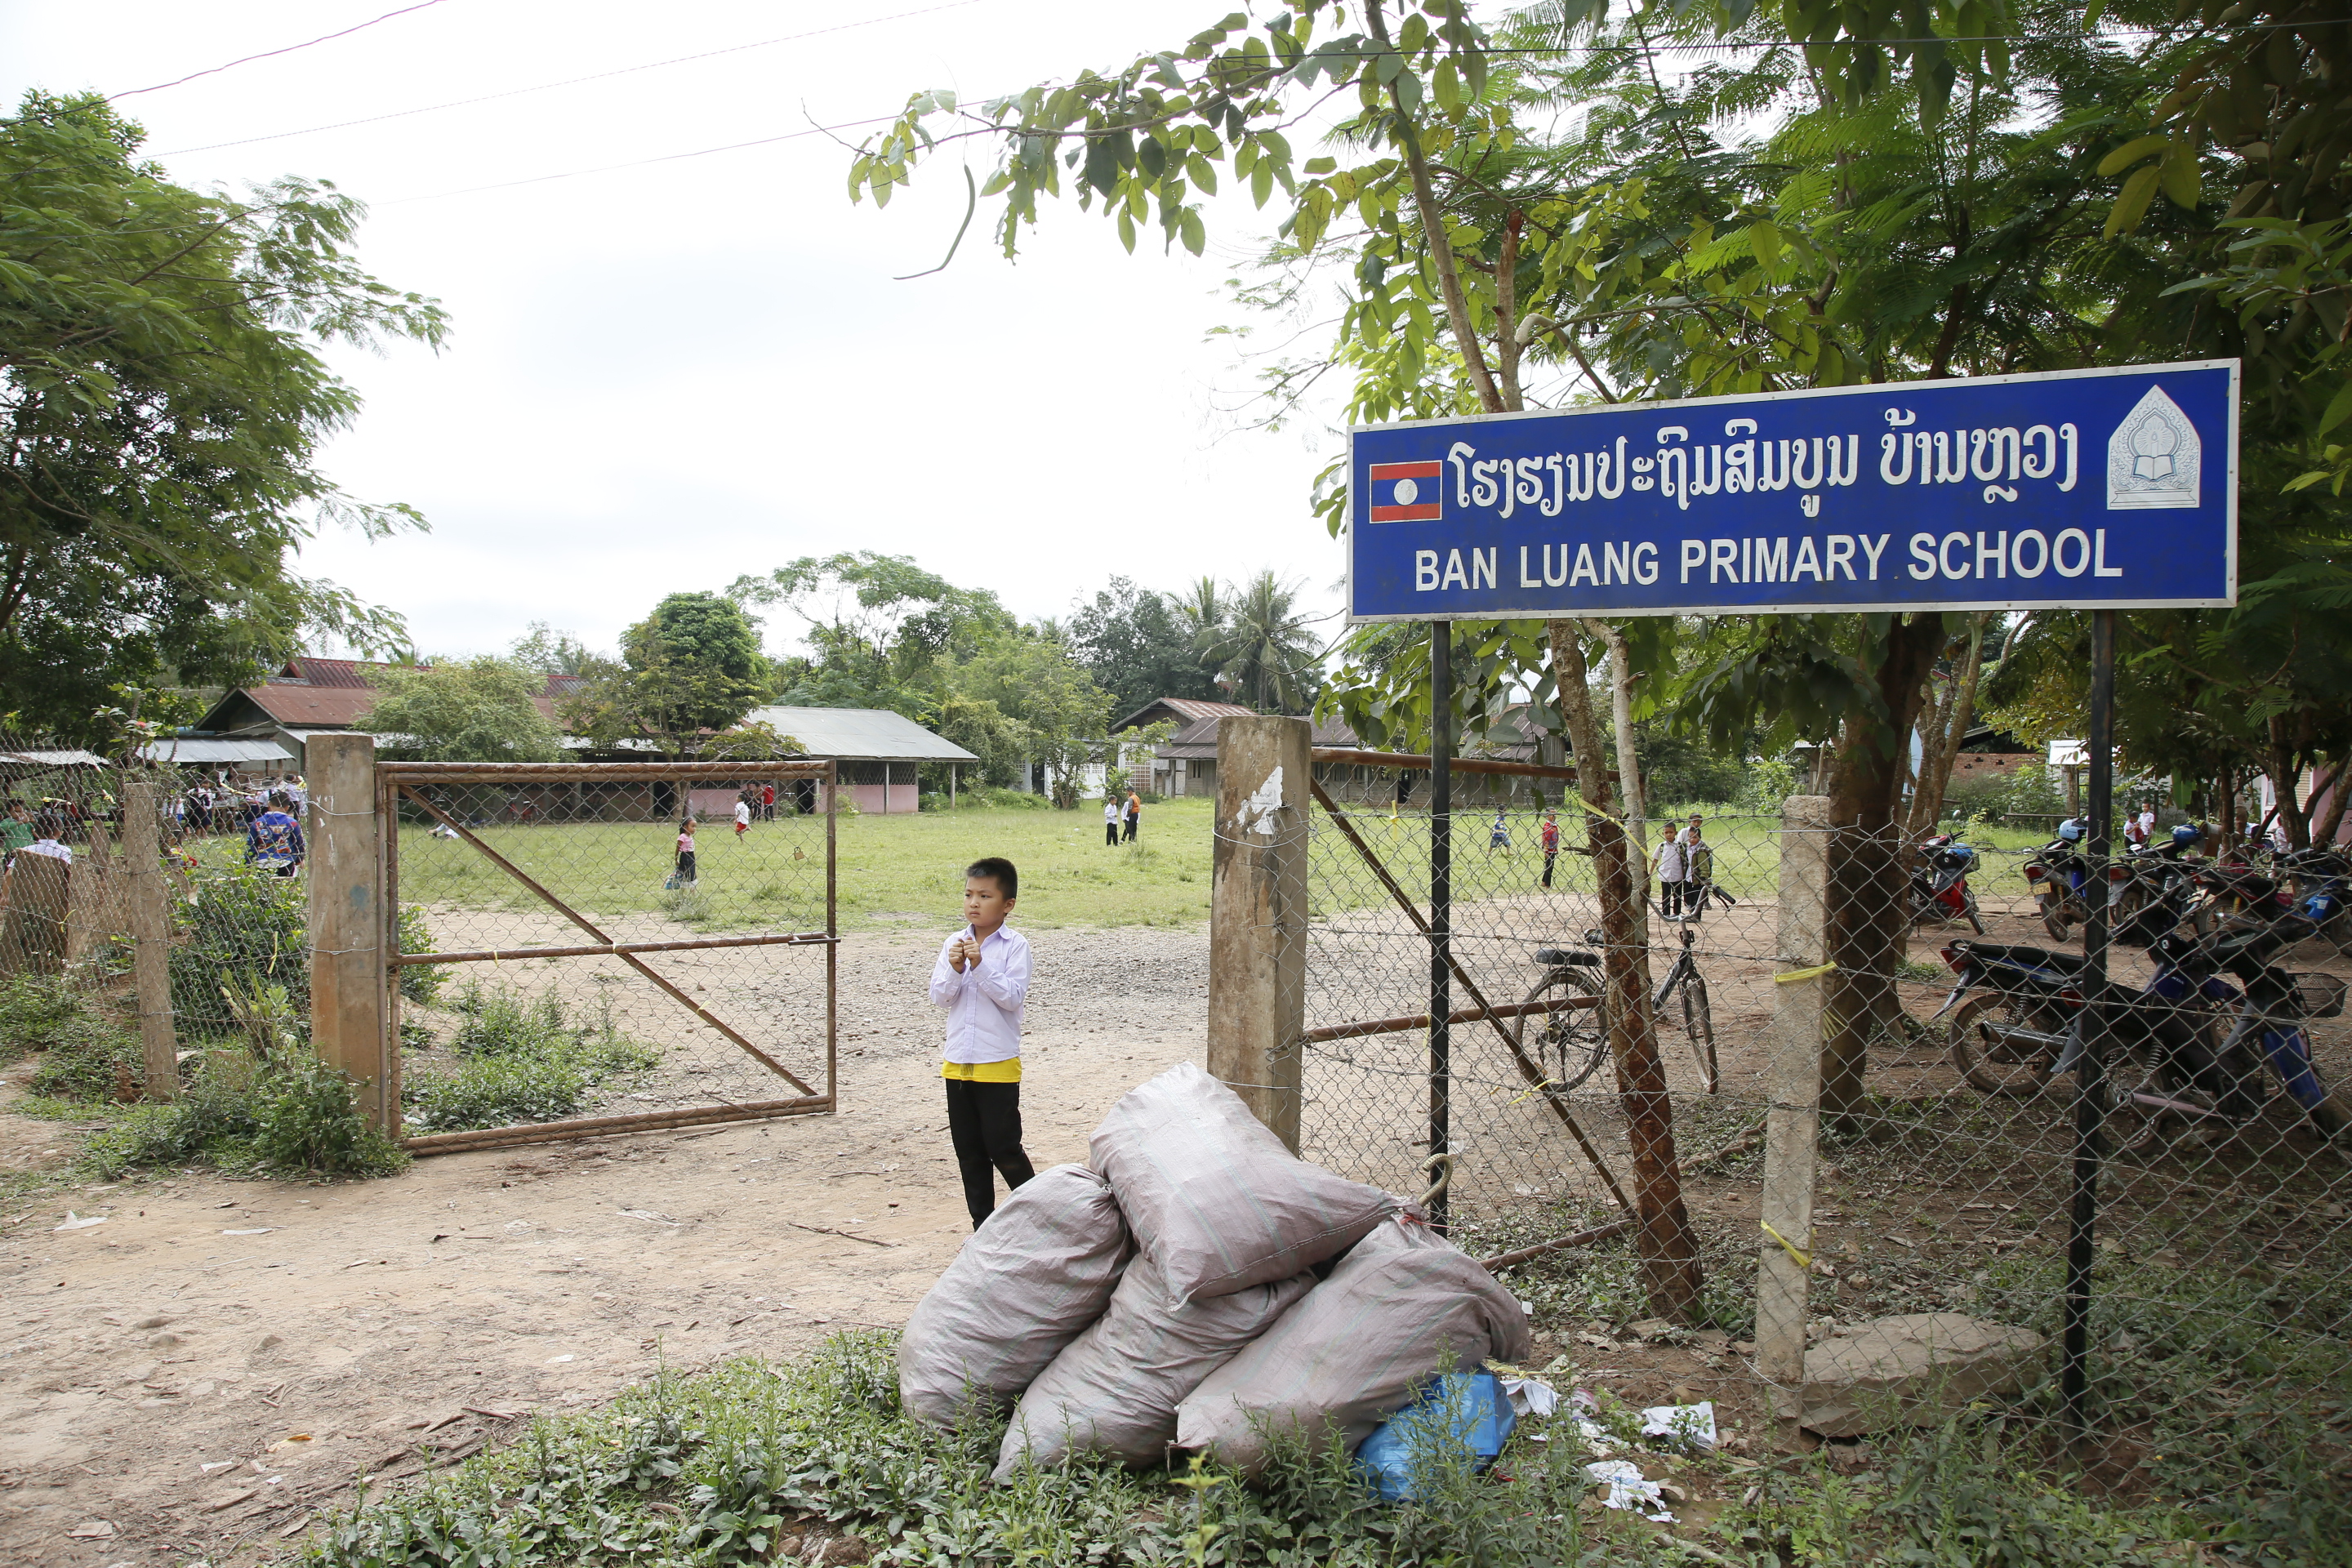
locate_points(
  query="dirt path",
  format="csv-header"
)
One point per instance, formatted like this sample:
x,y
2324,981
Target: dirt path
x,y
212,1365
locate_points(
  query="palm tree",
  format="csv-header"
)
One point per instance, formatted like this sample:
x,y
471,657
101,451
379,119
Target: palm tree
x,y
1201,606
1263,648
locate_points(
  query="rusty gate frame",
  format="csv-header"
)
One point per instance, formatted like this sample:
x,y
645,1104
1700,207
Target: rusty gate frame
x,y
394,781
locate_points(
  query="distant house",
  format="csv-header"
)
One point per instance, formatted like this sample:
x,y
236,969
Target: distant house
x,y
878,752
1187,764
310,696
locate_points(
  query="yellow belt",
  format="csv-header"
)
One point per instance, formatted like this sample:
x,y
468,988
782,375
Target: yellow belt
x,y
1006,1071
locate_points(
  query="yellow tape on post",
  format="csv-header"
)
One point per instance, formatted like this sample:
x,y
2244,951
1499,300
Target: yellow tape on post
x,y
1803,1258
1794,975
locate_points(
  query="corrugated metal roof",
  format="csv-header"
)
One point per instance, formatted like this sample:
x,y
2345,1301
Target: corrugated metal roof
x,y
66,759
199,749
860,734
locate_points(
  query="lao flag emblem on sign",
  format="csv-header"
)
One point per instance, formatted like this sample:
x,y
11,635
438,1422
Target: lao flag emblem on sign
x,y
1408,492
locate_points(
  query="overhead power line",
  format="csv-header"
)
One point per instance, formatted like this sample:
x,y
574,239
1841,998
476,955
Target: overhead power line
x,y
568,81
272,53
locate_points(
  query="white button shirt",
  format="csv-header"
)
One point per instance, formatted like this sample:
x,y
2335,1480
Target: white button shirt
x,y
983,1003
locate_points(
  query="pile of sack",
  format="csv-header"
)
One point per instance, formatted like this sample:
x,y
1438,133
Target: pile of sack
x,y
1195,1286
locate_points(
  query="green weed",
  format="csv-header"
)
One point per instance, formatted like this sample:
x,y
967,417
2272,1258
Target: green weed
x,y
518,1061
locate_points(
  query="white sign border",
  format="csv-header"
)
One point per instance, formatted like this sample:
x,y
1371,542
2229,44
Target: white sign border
x,y
1865,389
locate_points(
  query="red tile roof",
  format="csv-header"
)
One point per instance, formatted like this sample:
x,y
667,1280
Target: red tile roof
x,y
331,694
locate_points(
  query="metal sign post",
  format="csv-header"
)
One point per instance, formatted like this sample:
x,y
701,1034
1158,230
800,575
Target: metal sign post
x,y
1441,911
2067,489
2090,1065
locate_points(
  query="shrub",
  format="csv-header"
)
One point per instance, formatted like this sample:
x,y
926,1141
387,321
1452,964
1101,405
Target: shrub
x,y
37,1011
421,985
520,1060
85,1055
242,1114
308,1120
90,1059
245,927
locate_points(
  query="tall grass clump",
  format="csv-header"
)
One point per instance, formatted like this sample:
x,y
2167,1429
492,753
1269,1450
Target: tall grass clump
x,y
519,1059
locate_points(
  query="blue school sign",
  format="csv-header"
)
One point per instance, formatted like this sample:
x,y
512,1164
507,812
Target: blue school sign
x,y
2086,488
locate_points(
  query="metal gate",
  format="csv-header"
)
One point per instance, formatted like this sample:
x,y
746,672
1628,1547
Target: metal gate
x,y
704,986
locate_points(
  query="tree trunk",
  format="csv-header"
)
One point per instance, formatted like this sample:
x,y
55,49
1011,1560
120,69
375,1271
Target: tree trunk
x,y
2323,832
2283,773
1869,901
1669,1252
1953,716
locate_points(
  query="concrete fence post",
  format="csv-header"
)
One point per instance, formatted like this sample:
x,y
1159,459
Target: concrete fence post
x,y
150,896
1257,916
346,920
1793,1119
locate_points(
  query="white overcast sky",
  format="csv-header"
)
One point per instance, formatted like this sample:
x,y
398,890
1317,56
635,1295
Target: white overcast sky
x,y
661,377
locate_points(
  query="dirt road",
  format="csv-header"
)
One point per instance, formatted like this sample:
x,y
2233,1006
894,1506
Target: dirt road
x,y
214,1364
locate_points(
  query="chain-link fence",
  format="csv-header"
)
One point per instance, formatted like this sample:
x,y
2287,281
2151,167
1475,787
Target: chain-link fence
x,y
2219,1329
595,946
147,894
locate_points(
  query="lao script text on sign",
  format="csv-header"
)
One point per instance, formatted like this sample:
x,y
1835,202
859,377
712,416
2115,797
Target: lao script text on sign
x,y
2075,487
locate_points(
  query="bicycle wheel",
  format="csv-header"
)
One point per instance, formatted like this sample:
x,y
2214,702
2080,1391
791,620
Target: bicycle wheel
x,y
1698,1022
1569,1045
1991,1065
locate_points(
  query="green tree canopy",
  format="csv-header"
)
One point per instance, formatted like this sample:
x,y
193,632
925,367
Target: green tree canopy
x,y
878,626
163,407
462,710
1139,645
689,670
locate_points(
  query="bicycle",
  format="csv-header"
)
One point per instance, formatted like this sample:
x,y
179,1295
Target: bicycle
x,y
1571,1044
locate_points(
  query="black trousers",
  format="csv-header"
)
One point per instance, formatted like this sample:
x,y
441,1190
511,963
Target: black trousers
x,y
1110,835
984,1121
1550,856
1670,898
1131,829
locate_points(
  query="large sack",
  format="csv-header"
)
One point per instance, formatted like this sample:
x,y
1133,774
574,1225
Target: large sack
x,y
1025,1284
1215,1197
1403,1303
1114,1390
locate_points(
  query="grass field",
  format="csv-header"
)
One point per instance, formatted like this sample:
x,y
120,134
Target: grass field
x,y
894,872
905,872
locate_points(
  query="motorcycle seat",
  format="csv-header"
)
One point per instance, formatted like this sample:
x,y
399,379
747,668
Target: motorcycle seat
x,y
2026,957
1554,957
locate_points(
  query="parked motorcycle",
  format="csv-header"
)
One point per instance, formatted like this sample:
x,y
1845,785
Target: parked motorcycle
x,y
2153,888
1939,883
2018,1016
2060,874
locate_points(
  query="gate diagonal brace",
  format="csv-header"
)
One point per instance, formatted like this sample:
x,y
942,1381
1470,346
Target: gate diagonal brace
x,y
631,959
1536,1079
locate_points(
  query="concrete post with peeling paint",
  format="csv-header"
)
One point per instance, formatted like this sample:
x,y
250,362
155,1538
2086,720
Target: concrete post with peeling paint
x,y
1257,916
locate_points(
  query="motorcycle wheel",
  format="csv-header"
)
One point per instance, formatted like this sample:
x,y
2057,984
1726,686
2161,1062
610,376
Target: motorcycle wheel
x,y
1568,1047
2053,921
1970,909
1987,1066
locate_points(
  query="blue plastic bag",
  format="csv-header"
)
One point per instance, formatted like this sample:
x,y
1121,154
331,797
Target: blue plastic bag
x,y
1459,1417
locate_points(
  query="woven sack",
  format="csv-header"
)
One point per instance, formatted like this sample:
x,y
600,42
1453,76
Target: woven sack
x,y
1213,1195
1404,1304
1116,1389
1025,1284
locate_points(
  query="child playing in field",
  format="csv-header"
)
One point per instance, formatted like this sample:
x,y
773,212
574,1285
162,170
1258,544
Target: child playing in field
x,y
981,978
684,873
743,816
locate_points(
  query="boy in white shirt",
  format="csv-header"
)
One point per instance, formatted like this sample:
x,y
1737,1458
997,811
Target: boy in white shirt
x,y
981,978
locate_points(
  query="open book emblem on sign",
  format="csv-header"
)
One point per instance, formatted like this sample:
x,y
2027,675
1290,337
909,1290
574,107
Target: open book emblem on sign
x,y
2153,457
